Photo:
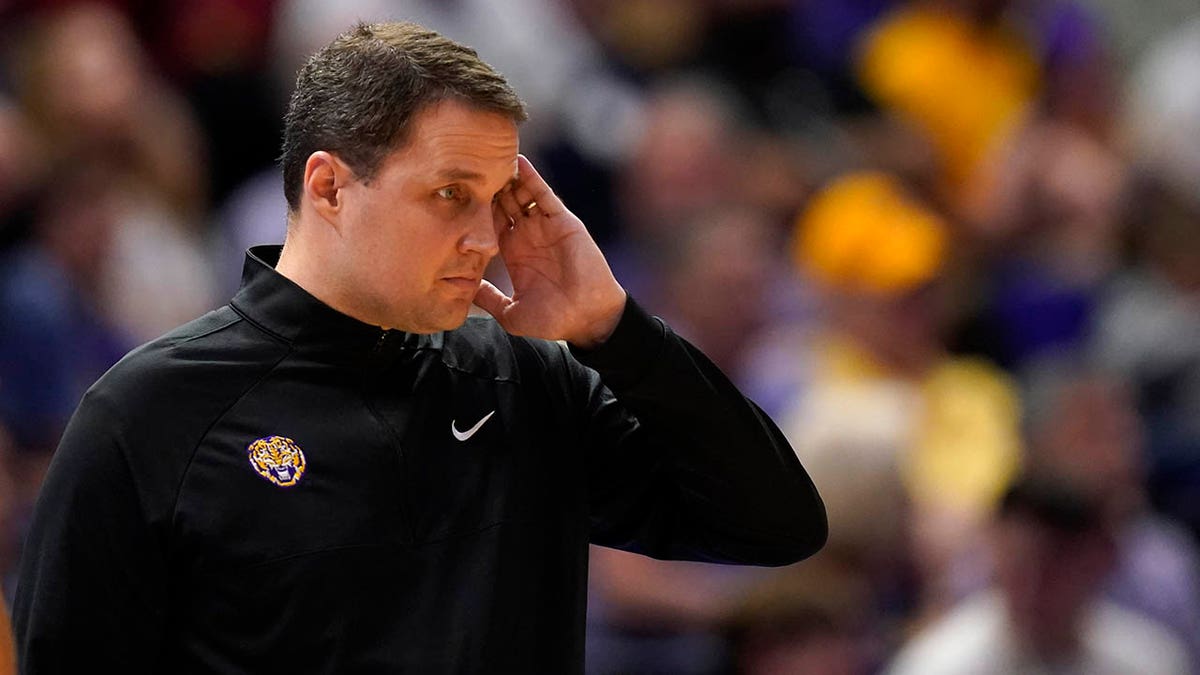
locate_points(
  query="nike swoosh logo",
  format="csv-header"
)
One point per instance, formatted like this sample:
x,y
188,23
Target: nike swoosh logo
x,y
464,435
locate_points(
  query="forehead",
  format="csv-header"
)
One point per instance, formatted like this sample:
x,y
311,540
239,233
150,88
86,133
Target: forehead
x,y
451,137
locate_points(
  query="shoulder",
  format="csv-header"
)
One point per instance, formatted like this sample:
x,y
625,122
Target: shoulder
x,y
1128,641
189,371
141,421
959,642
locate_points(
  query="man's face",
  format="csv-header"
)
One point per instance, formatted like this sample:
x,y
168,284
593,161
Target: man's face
x,y
1047,578
416,238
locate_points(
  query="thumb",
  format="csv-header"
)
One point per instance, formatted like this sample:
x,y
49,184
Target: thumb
x,y
492,300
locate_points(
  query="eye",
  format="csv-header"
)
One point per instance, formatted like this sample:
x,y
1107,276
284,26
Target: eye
x,y
450,193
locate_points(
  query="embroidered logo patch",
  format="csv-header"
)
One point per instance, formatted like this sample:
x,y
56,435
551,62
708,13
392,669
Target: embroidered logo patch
x,y
277,459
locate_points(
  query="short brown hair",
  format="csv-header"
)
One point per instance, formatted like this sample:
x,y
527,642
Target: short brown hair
x,y
357,96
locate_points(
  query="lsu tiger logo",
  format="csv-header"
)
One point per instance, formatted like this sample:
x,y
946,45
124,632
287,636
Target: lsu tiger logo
x,y
277,459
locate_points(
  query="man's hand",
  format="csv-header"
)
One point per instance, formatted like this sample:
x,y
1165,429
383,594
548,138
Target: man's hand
x,y
563,288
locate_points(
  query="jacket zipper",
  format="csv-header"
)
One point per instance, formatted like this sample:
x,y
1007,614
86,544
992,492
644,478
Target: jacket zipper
x,y
382,339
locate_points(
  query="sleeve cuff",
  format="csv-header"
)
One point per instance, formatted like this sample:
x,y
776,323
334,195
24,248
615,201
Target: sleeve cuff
x,y
630,352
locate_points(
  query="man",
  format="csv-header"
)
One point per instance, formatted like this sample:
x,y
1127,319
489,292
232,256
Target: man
x,y
339,473
1053,548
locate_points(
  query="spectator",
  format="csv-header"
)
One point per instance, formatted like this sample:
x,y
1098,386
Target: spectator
x,y
86,85
957,71
1162,108
1052,549
23,167
734,254
1088,429
685,164
879,379
803,620
651,616
54,337
1147,333
1048,241
1147,327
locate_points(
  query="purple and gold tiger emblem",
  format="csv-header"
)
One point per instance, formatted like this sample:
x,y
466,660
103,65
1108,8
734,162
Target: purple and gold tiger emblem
x,y
277,459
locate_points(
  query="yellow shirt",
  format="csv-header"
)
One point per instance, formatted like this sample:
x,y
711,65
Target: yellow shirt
x,y
959,444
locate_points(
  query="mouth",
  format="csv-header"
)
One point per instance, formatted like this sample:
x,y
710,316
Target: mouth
x,y
464,284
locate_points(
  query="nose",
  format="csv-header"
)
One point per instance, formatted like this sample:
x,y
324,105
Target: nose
x,y
481,236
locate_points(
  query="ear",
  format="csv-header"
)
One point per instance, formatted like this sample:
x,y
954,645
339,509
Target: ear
x,y
324,178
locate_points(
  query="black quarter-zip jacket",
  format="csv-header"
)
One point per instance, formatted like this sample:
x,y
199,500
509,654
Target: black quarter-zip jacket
x,y
279,488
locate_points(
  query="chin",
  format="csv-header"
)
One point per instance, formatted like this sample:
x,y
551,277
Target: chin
x,y
448,320
456,323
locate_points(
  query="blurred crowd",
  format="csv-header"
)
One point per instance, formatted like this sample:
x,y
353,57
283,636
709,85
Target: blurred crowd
x,y
951,246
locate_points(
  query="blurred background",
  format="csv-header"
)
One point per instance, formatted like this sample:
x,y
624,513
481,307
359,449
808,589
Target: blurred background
x,y
951,246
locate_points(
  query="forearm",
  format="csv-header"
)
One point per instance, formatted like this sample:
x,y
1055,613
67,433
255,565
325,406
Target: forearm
x,y
739,491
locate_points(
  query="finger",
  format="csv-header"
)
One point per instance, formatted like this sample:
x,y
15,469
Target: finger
x,y
501,221
520,215
512,208
504,224
531,187
492,300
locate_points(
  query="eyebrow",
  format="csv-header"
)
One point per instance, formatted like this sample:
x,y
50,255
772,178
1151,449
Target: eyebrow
x,y
461,174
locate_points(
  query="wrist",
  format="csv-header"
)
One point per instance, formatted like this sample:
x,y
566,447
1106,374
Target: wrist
x,y
602,327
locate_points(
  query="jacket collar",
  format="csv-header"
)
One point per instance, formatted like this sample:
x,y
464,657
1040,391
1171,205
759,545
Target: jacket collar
x,y
281,307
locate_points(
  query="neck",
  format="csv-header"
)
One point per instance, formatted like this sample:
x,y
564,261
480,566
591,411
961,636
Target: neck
x,y
294,264
310,267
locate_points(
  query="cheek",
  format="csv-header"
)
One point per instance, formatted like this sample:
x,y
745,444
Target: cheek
x,y
405,263
376,236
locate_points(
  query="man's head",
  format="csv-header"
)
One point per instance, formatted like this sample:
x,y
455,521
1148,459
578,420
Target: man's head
x,y
397,141
1053,549
877,252
357,97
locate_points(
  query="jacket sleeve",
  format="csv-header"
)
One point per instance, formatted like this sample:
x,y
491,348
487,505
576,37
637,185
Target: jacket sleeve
x,y
91,595
681,465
